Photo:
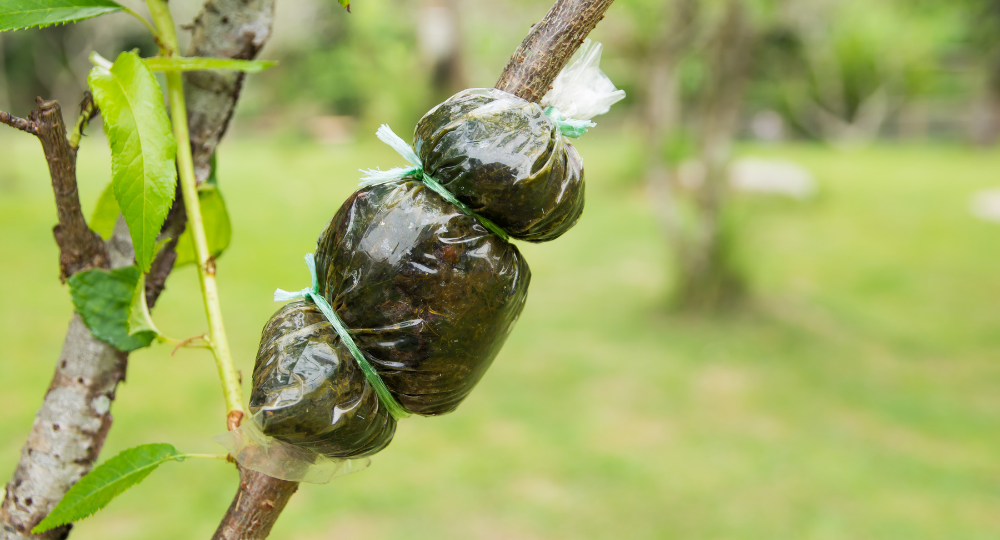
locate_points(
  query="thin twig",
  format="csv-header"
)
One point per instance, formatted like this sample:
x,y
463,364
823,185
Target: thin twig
x,y
79,247
189,189
88,110
19,123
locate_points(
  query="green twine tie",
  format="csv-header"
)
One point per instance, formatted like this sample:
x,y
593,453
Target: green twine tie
x,y
374,177
569,127
395,409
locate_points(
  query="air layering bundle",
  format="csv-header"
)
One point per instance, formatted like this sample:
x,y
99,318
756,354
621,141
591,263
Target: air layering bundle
x,y
416,285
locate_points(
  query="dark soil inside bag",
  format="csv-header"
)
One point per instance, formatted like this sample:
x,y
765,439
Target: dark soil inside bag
x,y
506,159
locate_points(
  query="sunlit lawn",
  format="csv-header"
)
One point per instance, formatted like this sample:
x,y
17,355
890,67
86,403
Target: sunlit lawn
x,y
856,398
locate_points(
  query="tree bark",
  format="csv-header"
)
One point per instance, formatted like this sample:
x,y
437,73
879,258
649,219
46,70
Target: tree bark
x,y
225,29
256,507
548,47
74,419
79,247
260,499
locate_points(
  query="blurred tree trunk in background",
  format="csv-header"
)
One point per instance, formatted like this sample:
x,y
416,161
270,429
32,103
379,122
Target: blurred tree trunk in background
x,y
692,192
986,129
986,126
707,277
439,37
662,107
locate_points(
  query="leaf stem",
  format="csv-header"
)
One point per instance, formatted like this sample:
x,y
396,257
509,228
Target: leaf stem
x,y
99,60
182,457
143,19
189,188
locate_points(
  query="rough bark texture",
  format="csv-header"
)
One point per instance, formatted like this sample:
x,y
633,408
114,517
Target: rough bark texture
x,y
260,499
73,421
224,29
256,507
79,247
548,47
71,425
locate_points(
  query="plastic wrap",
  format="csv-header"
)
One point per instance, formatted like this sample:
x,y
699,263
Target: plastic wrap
x,y
506,159
581,90
429,297
258,452
417,273
309,391
429,294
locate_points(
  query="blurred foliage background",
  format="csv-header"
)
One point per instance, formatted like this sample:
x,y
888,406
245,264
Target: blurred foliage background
x,y
776,319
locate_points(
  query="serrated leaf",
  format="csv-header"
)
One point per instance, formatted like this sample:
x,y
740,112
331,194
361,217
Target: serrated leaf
x,y
178,63
23,14
142,148
139,319
105,215
102,298
107,481
218,230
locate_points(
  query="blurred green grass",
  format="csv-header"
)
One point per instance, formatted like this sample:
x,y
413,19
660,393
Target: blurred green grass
x,y
854,398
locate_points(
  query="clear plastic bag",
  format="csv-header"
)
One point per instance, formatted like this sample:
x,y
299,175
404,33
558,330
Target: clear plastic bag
x,y
258,452
506,160
581,90
428,295
425,288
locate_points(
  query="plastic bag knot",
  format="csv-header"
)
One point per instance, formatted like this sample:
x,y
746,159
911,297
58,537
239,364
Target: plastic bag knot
x,y
570,127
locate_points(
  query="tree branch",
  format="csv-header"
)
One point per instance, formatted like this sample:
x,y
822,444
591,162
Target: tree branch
x,y
224,29
256,507
79,247
260,499
88,110
74,419
549,46
18,123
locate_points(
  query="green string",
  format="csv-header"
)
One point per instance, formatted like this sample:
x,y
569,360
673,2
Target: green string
x,y
569,127
374,177
385,396
443,191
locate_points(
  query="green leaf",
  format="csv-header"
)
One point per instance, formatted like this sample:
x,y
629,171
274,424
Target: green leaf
x,y
105,213
215,218
102,299
139,319
213,173
22,14
142,148
178,63
346,4
107,481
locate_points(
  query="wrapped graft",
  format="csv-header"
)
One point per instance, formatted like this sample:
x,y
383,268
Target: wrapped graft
x,y
311,393
428,295
506,159
415,284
